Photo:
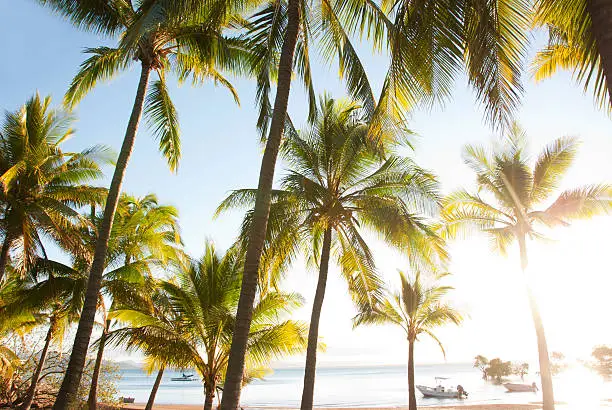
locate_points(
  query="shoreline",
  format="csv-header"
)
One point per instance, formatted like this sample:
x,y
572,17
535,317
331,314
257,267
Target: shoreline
x,y
509,406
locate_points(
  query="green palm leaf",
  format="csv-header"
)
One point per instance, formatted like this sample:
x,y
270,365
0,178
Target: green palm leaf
x,y
163,120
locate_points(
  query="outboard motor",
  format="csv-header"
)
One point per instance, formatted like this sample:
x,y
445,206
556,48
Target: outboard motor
x,y
461,391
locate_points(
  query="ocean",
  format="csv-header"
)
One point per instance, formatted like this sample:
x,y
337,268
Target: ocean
x,y
372,386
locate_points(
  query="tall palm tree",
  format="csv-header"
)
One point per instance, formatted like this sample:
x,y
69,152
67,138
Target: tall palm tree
x,y
145,235
513,207
40,185
580,39
417,309
190,322
335,185
279,35
428,41
161,36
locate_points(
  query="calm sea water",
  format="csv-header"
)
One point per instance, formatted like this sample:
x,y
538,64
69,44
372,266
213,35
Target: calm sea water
x,y
377,386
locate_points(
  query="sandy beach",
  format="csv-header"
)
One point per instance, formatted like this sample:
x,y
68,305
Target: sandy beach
x,y
141,406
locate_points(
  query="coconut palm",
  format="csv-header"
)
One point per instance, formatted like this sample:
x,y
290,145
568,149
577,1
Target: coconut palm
x,y
55,296
190,323
279,35
161,36
579,40
513,207
335,185
40,185
418,309
13,323
145,235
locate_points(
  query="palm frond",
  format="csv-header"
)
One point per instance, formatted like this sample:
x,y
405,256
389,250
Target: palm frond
x,y
104,64
163,120
551,166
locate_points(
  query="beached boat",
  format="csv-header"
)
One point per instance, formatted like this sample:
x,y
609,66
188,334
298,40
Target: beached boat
x,y
519,387
183,378
442,392
128,400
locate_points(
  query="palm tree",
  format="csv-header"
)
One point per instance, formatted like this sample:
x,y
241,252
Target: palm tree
x,y
55,300
512,208
418,310
335,185
428,41
190,322
145,234
12,323
579,40
40,185
279,35
161,35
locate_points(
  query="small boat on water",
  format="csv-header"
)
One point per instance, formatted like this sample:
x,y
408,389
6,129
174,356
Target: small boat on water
x,y
183,378
128,400
442,392
519,387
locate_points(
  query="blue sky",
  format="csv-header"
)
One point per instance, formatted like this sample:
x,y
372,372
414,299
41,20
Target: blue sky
x,y
221,151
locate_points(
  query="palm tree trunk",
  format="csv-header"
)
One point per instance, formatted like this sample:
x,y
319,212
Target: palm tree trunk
x,y
27,403
209,394
545,375
158,380
235,368
313,330
4,255
600,12
412,404
66,397
92,401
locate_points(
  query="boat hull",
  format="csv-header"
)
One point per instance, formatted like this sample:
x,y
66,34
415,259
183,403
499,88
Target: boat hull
x,y
447,394
515,387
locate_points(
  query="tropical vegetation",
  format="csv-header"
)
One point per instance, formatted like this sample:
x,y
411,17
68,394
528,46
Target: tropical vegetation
x,y
189,322
578,40
42,186
160,38
74,252
515,200
428,42
603,359
336,184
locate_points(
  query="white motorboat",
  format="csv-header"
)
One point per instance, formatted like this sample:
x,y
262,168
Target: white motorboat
x,y
183,378
442,392
519,387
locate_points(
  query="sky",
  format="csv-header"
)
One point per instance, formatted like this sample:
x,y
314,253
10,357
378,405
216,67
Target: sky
x,y
221,152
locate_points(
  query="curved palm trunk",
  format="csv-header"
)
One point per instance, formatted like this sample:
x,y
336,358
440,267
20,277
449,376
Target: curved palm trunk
x,y
92,401
313,330
27,403
209,396
600,12
66,397
412,404
158,380
4,255
235,367
545,375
